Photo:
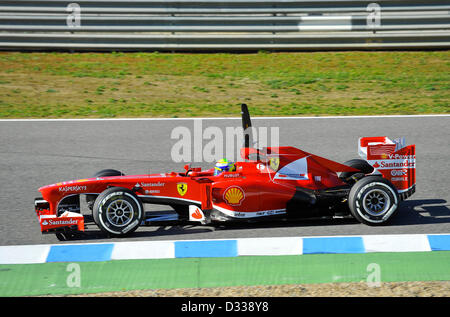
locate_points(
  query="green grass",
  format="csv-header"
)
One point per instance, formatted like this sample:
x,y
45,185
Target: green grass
x,y
61,85
117,275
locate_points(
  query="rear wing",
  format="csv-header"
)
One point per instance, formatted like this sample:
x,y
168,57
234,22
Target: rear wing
x,y
393,159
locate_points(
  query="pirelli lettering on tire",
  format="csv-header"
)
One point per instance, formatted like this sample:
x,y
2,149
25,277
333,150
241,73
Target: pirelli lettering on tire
x,y
373,200
130,226
108,197
118,211
371,215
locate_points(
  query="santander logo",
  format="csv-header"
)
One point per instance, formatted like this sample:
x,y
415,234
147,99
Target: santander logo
x,y
197,214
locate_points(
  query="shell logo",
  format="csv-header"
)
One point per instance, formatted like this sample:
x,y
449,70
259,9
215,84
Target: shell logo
x,y
234,196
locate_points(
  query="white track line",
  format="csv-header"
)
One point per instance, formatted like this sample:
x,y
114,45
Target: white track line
x,y
225,118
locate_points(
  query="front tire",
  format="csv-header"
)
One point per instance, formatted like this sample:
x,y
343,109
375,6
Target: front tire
x,y
90,198
373,200
118,211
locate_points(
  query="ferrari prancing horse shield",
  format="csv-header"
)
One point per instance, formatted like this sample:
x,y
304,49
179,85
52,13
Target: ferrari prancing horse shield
x,y
274,163
182,188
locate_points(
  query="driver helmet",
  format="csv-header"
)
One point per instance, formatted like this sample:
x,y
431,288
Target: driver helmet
x,y
223,166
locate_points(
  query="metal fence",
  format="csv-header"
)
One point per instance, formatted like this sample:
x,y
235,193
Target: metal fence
x,y
223,25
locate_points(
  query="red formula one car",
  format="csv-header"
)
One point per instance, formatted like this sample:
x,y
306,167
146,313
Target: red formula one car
x,y
272,182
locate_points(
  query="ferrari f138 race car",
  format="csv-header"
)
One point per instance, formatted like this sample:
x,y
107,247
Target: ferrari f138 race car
x,y
271,182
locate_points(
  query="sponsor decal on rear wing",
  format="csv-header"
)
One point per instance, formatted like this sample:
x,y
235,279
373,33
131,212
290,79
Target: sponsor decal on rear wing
x,y
393,159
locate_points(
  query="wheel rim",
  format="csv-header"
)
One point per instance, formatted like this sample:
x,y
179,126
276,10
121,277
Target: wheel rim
x,y
119,213
376,202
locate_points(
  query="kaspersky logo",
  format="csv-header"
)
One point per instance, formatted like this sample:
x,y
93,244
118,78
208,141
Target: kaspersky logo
x,y
75,188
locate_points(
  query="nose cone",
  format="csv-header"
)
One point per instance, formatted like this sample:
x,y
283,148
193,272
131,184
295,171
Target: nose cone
x,y
63,188
48,188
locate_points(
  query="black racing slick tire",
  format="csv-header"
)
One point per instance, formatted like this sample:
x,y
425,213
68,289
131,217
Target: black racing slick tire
x,y
359,164
373,200
118,211
108,172
90,198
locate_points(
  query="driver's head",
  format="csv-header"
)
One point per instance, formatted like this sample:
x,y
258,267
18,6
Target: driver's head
x,y
224,166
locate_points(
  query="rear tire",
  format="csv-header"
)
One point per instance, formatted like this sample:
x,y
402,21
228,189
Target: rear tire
x,y
359,164
373,200
118,211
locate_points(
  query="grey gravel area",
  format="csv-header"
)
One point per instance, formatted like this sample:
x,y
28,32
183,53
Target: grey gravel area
x,y
362,289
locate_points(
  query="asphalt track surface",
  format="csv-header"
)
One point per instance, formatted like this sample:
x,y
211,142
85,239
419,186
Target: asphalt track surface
x,y
37,153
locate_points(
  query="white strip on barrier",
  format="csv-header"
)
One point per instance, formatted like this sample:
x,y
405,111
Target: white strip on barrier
x,y
276,246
